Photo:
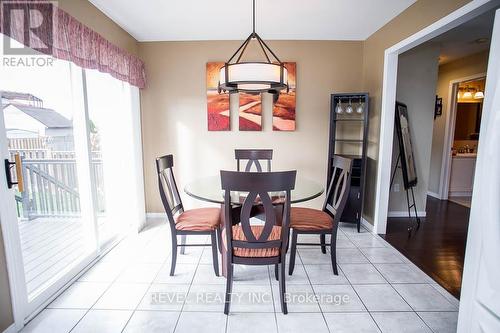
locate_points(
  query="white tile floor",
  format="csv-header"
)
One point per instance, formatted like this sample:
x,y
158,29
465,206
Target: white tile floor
x,y
130,290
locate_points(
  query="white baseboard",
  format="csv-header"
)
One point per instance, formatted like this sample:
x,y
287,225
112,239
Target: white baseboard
x,y
404,213
367,225
10,329
156,215
460,194
434,195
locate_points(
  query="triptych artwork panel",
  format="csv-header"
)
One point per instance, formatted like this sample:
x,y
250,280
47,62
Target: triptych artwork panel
x,y
250,104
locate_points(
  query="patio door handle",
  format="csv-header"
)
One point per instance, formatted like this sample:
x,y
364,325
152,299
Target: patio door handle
x,y
18,164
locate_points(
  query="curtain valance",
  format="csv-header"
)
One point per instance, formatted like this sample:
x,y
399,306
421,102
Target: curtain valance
x,y
48,29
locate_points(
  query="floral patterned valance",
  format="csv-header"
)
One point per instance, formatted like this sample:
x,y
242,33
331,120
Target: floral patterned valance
x,y
48,29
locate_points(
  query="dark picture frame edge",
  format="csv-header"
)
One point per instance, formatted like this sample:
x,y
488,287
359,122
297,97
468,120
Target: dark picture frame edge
x,y
408,167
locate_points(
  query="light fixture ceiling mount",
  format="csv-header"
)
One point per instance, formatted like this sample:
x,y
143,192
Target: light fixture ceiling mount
x,y
254,76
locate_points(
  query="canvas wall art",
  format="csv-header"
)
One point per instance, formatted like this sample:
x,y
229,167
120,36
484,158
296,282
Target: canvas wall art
x,y
219,116
284,103
250,104
250,112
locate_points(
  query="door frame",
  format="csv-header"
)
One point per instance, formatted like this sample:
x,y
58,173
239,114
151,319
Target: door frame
x,y
454,19
449,131
13,253
24,310
479,307
12,243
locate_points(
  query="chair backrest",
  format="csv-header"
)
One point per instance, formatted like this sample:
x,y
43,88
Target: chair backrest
x,y
258,185
338,189
168,188
254,156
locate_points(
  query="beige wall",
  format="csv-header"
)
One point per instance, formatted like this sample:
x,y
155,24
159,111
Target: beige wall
x,y
417,80
174,116
86,13
172,65
416,17
464,67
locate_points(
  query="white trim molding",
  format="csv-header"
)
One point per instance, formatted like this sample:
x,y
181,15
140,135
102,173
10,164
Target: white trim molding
x,y
456,18
367,225
404,213
449,131
434,195
156,215
460,194
11,329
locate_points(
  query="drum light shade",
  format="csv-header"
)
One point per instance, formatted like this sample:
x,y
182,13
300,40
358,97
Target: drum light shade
x,y
253,76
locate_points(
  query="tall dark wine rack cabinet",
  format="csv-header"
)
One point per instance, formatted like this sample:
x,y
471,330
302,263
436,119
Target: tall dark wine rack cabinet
x,y
349,138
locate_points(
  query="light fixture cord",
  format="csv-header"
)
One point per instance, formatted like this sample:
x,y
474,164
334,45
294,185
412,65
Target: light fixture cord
x,y
253,16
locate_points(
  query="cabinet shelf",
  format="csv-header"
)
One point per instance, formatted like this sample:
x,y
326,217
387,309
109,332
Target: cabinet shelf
x,y
357,144
360,120
349,140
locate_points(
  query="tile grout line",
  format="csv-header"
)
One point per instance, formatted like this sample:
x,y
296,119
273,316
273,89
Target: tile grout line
x,y
311,285
146,292
111,284
369,313
189,289
272,297
404,283
422,319
149,240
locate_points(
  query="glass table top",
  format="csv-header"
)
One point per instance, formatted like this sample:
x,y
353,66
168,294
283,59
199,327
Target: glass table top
x,y
209,189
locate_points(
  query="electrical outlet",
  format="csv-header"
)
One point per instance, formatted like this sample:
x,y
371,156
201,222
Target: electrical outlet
x,y
395,187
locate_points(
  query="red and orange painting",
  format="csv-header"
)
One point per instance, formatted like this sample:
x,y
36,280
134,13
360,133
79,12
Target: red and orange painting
x,y
284,103
250,112
217,104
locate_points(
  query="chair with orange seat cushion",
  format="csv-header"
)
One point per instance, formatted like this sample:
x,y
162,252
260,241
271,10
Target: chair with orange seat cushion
x,y
201,221
261,243
326,221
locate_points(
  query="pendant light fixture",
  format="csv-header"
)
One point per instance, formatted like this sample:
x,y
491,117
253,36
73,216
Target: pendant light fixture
x,y
254,76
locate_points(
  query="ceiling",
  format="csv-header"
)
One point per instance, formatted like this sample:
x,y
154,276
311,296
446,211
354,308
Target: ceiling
x,y
169,20
463,40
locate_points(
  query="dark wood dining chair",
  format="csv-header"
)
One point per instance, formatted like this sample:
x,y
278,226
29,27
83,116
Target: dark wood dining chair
x,y
201,221
325,221
256,244
253,158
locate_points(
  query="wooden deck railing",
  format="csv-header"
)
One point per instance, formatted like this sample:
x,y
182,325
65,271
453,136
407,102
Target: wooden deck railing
x,y
51,186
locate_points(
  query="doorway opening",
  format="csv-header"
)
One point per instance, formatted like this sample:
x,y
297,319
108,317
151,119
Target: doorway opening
x,y
465,125
442,81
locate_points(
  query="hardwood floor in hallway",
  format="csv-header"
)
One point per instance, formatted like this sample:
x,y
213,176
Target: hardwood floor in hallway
x,y
438,247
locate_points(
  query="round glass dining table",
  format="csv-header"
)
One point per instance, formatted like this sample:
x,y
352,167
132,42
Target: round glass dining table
x,y
209,189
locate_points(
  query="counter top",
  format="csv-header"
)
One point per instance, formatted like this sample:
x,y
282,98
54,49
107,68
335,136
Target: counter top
x,y
465,155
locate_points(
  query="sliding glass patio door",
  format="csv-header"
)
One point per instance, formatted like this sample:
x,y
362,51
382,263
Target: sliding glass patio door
x,y
112,138
44,132
68,144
